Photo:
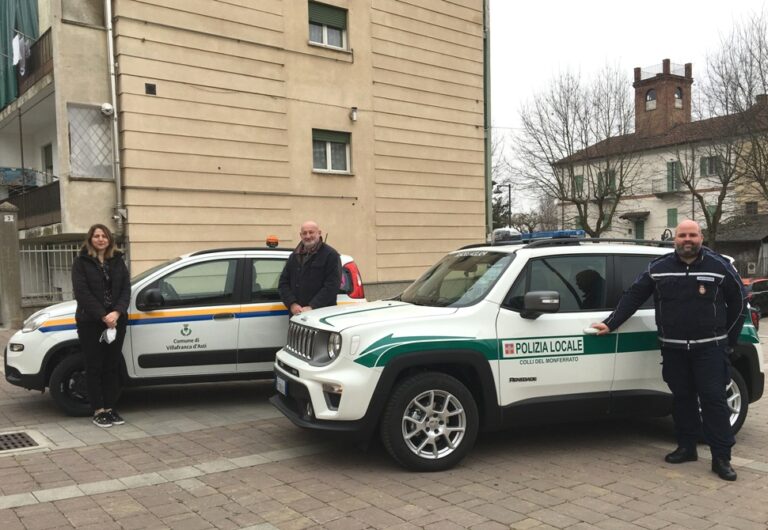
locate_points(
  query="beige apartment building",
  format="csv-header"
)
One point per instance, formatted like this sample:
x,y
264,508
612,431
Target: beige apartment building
x,y
239,119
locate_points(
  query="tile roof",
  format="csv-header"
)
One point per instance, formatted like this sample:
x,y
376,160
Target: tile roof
x,y
754,118
744,228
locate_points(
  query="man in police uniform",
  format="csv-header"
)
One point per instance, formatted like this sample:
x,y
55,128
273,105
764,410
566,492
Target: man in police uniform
x,y
699,301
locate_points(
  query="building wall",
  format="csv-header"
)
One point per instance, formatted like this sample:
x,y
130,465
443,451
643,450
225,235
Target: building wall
x,y
80,73
651,167
222,154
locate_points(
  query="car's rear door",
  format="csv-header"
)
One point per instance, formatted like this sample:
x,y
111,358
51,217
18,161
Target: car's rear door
x,y
263,317
637,382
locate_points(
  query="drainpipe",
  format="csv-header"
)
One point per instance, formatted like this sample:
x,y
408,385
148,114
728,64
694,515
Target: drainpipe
x,y
487,117
120,213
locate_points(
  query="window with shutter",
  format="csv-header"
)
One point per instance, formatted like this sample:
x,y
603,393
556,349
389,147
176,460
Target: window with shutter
x,y
672,217
330,151
327,25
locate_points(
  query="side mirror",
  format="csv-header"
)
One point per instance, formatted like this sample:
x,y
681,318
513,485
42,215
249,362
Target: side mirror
x,y
537,302
150,299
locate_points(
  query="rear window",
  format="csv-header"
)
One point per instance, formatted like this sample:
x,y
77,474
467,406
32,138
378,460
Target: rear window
x,y
347,285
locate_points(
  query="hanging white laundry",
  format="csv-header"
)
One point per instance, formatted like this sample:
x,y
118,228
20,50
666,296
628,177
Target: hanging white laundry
x,y
16,45
25,51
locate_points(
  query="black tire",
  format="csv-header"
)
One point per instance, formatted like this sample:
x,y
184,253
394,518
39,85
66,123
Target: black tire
x,y
737,396
68,388
454,418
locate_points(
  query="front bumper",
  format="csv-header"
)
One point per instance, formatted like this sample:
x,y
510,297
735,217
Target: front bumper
x,y
28,381
296,405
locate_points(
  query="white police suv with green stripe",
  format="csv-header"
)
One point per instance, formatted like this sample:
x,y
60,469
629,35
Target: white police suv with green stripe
x,y
212,315
491,336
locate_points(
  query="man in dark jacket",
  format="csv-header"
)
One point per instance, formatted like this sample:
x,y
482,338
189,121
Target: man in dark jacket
x,y
699,301
312,275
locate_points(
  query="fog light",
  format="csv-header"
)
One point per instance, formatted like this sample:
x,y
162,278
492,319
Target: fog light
x,y
310,410
333,388
16,347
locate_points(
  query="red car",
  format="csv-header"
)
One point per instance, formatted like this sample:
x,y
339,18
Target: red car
x,y
757,295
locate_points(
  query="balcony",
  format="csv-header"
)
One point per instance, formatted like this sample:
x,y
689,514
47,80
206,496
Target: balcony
x,y
35,194
663,187
39,63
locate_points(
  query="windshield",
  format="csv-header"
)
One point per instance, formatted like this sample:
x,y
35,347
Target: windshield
x,y
459,279
149,271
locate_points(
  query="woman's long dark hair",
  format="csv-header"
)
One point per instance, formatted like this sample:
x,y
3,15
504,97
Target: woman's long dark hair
x,y
92,252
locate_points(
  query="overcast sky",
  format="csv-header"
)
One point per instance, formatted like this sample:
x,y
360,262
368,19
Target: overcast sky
x,y
531,41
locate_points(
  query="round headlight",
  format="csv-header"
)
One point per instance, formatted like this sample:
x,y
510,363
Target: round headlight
x,y
34,322
334,345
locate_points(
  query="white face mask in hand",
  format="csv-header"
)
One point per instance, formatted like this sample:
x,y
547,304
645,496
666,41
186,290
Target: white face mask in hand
x,y
108,335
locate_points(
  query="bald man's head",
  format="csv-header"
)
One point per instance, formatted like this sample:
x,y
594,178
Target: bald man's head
x,y
310,234
688,240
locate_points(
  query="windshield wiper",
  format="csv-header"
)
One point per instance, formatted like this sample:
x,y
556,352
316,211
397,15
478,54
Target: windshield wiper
x,y
420,300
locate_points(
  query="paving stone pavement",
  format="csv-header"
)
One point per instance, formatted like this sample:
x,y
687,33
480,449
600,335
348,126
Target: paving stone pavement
x,y
219,456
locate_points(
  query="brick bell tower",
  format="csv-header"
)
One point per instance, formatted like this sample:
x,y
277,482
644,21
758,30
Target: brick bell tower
x,y
662,99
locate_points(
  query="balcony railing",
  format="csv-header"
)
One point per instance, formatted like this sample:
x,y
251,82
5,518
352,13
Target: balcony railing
x,y
38,206
38,64
665,186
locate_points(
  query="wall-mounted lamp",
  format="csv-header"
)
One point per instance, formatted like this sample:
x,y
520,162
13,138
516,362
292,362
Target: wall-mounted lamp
x,y
353,114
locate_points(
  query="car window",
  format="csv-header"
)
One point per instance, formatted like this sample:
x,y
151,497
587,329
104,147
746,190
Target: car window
x,y
207,283
759,287
580,280
514,299
628,268
152,270
347,282
265,279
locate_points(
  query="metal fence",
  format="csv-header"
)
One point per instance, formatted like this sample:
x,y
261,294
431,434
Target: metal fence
x,y
46,272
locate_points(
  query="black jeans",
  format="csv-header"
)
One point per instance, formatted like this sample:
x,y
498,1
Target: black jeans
x,y
102,363
699,377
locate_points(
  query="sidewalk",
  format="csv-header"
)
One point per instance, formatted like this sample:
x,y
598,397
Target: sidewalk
x,y
219,456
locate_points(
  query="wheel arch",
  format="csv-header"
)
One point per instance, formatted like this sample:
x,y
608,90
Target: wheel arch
x,y
54,357
470,367
744,359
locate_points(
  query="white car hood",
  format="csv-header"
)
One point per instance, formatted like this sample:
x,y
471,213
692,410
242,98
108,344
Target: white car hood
x,y
338,318
63,309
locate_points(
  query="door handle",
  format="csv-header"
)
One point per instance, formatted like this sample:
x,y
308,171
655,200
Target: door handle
x,y
223,316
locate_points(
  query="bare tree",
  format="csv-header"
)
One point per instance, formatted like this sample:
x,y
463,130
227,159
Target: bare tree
x,y
547,211
738,71
735,85
525,221
574,145
710,172
501,201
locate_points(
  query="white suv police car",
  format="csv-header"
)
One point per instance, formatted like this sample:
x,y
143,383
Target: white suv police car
x,y
211,315
491,336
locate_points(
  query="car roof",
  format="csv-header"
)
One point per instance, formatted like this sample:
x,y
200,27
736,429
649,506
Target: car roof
x,y
250,251
557,246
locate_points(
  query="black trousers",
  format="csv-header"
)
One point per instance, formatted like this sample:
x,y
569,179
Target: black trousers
x,y
102,363
699,377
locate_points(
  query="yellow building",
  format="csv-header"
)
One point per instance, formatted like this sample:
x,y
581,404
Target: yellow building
x,y
241,119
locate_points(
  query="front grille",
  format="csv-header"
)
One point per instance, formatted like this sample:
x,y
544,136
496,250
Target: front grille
x,y
301,341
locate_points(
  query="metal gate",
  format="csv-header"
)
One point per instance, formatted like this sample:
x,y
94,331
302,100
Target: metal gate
x,y
46,272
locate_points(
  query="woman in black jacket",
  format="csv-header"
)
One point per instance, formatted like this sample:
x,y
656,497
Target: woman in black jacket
x,y
102,288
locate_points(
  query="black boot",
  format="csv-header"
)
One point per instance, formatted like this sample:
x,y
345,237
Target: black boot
x,y
722,466
682,454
